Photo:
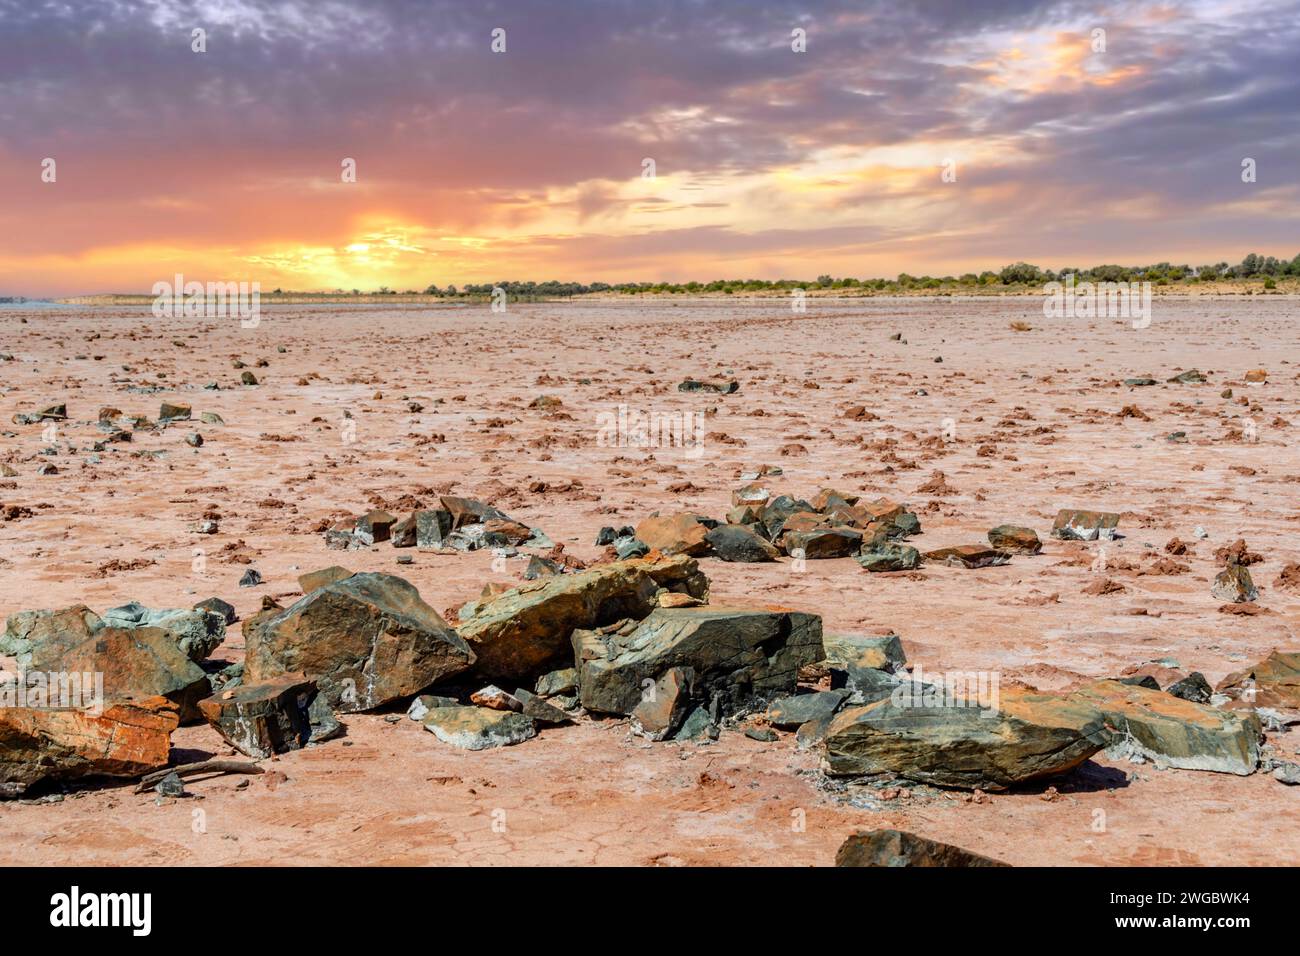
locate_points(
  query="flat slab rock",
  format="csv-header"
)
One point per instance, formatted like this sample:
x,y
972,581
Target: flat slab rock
x,y
1171,732
525,632
127,739
478,728
734,653
1030,736
366,640
899,848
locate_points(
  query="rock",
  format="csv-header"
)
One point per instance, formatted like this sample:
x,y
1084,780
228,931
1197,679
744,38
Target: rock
x,y
886,556
170,786
762,734
900,848
736,655
169,412
608,535
526,631
25,629
538,709
627,548
698,726
1140,382
251,579
266,718
822,543
539,567
677,599
1015,539
881,515
127,739
427,702
780,510
136,663
734,542
564,681
495,698
196,632
214,605
1173,732
1287,773
470,511
676,534
1257,375
798,709
194,440
1028,737
1273,682
1074,525
1140,680
373,527
366,640
969,556
856,661
1190,377
1233,585
211,418
248,378
55,413
1193,687
478,728
753,494
722,387
664,704
325,576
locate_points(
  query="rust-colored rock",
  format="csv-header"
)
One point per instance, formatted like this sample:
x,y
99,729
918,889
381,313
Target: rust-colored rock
x,y
128,739
674,534
1273,682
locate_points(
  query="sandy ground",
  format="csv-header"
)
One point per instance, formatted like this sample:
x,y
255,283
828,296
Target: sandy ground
x,y
1020,423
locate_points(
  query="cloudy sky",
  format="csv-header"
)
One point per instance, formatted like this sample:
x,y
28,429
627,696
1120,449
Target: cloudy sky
x,y
474,165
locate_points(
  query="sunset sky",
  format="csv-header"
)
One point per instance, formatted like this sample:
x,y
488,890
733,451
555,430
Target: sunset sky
x,y
476,166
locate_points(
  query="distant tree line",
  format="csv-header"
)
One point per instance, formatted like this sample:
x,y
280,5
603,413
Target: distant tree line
x,y
1020,273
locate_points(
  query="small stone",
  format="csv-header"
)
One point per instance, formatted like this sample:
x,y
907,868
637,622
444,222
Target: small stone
x,y
478,728
251,579
1233,585
1015,539
495,698
170,786
899,848
1075,525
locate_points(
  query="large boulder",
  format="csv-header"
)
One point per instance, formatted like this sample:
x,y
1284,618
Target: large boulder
x,y
1027,737
525,632
1273,682
274,717
366,640
1172,732
25,629
136,663
197,632
898,848
736,655
126,739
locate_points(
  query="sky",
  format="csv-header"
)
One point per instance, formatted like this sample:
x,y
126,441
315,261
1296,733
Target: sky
x,y
930,137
